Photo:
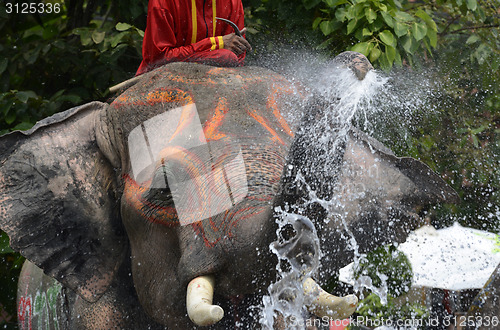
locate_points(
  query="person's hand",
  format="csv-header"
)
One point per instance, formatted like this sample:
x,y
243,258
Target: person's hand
x,y
236,44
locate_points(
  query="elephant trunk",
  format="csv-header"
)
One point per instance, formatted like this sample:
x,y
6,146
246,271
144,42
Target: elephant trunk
x,y
199,297
324,304
356,62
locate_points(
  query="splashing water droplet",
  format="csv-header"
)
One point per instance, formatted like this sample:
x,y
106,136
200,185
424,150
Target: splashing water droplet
x,y
342,97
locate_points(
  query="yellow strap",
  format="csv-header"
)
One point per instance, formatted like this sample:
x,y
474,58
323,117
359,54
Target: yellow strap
x,y
214,44
214,13
221,42
194,20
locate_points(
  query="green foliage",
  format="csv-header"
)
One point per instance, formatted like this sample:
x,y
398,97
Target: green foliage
x,y
274,26
388,32
457,133
381,30
53,61
372,309
50,63
10,266
388,265
461,140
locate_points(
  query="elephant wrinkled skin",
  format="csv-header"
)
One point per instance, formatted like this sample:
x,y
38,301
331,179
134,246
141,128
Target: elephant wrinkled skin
x,y
124,204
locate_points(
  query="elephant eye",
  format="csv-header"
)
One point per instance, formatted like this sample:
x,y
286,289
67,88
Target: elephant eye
x,y
160,197
159,192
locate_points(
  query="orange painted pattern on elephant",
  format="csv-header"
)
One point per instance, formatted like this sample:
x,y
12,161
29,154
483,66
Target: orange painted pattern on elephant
x,y
272,104
212,126
274,128
265,123
167,95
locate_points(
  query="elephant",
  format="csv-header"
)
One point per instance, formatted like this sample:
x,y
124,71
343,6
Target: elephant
x,y
484,311
157,210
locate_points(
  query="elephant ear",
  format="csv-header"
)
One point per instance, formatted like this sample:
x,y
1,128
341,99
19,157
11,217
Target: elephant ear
x,y
380,194
57,200
426,187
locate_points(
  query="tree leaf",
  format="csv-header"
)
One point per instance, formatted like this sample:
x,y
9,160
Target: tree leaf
x,y
359,35
482,53
98,36
316,22
472,5
4,244
374,54
384,62
381,6
389,61
351,26
49,32
366,32
427,19
327,27
117,39
73,98
370,15
472,39
427,46
391,53
378,24
23,126
400,29
362,47
419,31
85,36
359,11
432,35
340,14
32,55
403,17
57,94
388,19
10,117
349,14
335,3
308,4
475,141
141,33
387,38
23,96
3,65
6,107
398,60
122,26
407,43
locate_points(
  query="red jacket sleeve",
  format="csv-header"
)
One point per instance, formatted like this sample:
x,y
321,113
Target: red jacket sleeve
x,y
160,43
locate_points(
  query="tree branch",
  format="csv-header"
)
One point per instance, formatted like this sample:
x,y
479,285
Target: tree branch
x,y
475,27
453,19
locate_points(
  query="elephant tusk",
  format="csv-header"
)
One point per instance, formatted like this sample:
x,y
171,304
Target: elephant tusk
x,y
325,304
200,292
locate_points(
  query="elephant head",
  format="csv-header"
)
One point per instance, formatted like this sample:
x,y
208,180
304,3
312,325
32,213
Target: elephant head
x,y
179,178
